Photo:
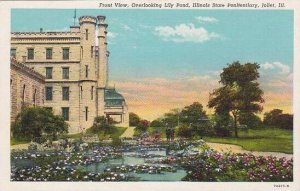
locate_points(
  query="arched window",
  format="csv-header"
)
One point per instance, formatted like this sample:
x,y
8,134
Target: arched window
x,y
23,93
34,98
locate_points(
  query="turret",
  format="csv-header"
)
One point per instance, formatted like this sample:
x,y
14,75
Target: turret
x,y
103,56
87,47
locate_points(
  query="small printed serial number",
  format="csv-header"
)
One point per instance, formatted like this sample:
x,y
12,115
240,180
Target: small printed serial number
x,y
281,186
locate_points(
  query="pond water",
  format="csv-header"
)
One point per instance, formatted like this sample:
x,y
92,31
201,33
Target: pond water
x,y
135,158
139,163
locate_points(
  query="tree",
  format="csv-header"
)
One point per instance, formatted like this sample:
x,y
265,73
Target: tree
x,y
223,124
185,131
286,121
134,119
272,118
250,119
193,114
143,125
240,91
33,122
276,118
156,123
104,124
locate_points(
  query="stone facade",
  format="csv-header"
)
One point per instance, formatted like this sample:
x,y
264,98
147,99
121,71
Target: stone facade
x,y
27,88
76,70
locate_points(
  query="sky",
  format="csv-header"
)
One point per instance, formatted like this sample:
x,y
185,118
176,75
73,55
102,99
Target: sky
x,y
166,59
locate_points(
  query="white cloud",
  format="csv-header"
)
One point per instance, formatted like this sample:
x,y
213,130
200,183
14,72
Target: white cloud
x,y
206,19
185,33
267,66
144,26
112,35
126,27
284,69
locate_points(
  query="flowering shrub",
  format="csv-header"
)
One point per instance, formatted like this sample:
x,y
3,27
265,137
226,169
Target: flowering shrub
x,y
215,166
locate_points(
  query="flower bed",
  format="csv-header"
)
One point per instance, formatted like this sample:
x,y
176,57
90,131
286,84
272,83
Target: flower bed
x,y
214,166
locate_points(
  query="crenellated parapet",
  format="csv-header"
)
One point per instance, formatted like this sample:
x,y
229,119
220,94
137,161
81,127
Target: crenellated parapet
x,y
87,19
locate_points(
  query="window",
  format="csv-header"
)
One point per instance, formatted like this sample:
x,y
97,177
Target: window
x,y
66,53
92,93
86,113
30,53
34,97
49,91
92,51
65,73
86,34
65,93
48,53
49,71
23,93
81,95
65,113
86,71
13,53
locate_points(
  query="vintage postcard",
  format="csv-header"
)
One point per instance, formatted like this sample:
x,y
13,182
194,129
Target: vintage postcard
x,y
160,95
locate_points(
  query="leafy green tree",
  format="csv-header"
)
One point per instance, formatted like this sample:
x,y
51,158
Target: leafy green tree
x,y
276,118
143,125
185,131
286,121
272,118
250,119
156,123
170,119
240,91
134,119
223,124
33,122
193,114
104,124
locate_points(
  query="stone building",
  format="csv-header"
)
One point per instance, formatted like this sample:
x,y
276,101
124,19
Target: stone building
x,y
75,65
27,88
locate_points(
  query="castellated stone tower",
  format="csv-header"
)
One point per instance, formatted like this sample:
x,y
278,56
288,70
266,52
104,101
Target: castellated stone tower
x,y
102,63
88,71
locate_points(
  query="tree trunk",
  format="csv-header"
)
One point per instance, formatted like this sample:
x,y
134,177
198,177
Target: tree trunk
x,y
235,125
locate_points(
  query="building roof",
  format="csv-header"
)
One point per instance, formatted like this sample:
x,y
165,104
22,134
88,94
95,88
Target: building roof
x,y
113,98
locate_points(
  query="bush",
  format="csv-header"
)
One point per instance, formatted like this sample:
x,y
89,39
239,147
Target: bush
x,y
102,124
33,123
143,125
203,129
185,131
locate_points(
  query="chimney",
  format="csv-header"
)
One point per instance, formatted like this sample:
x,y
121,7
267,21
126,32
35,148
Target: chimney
x,y
41,29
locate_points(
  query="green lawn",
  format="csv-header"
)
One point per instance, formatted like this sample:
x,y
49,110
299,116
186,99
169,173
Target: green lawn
x,y
117,132
268,139
14,141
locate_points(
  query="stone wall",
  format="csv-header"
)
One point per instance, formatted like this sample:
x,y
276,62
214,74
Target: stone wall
x,y
26,88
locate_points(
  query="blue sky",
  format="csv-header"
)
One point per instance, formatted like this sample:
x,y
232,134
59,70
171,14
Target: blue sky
x,y
158,48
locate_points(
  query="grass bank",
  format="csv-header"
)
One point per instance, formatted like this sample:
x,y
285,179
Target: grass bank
x,y
267,140
14,141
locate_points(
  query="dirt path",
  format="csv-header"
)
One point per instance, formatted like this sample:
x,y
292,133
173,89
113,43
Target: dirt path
x,y
128,133
238,149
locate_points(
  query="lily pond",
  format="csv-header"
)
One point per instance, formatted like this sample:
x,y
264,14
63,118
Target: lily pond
x,y
174,161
